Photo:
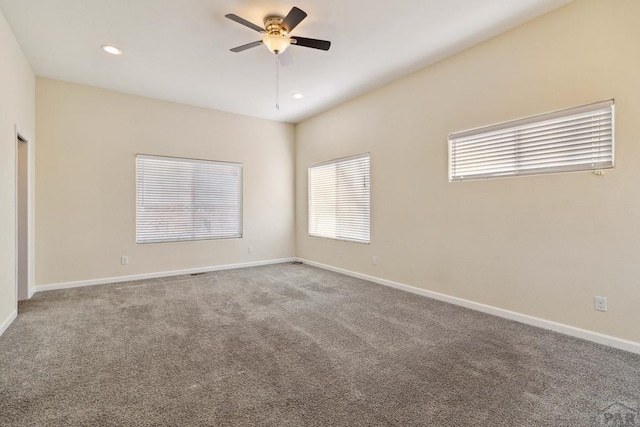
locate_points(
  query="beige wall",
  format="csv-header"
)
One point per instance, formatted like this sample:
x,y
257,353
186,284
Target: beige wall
x,y
85,179
17,110
540,245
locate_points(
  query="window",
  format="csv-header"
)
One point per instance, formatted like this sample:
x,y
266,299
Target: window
x,y
576,139
339,199
184,199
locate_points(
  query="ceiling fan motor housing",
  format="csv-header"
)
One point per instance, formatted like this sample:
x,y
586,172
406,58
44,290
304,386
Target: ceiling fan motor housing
x,y
272,25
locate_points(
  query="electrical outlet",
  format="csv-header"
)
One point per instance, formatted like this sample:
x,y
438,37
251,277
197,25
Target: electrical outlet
x,y
601,303
124,260
375,260
340,254
250,249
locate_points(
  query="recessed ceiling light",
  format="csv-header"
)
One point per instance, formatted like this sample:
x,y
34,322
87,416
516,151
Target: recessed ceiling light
x,y
112,49
297,95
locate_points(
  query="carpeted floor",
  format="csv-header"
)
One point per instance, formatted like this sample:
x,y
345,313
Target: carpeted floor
x,y
293,345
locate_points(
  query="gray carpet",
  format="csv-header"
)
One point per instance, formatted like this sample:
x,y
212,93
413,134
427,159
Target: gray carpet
x,y
292,345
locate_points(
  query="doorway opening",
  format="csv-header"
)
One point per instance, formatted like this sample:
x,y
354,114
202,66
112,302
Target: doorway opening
x,y
22,220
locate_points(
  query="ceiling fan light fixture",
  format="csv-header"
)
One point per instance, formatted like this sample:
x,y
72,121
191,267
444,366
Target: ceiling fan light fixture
x,y
276,43
297,95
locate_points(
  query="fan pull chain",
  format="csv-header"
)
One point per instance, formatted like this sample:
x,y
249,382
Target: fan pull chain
x,y
277,82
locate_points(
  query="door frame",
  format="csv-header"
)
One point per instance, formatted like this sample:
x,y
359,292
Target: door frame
x,y
20,139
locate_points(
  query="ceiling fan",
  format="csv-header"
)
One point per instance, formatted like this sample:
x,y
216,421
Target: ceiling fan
x,y
277,32
277,37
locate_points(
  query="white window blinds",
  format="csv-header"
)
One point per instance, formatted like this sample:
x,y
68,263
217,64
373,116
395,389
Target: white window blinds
x,y
339,199
185,199
576,139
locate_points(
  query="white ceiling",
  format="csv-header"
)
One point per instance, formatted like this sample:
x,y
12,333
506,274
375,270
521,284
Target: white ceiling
x,y
179,50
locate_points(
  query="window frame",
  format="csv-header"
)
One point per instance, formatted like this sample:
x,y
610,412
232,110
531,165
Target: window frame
x,y
192,160
335,161
521,122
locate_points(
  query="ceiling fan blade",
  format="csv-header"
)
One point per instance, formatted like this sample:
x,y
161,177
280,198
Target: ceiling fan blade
x,y
293,18
244,22
246,46
313,43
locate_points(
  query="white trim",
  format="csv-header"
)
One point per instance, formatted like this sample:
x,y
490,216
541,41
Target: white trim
x,y
118,279
7,322
584,334
17,215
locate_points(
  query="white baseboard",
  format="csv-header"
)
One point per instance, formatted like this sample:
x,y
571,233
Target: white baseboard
x,y
32,292
118,279
6,322
596,337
